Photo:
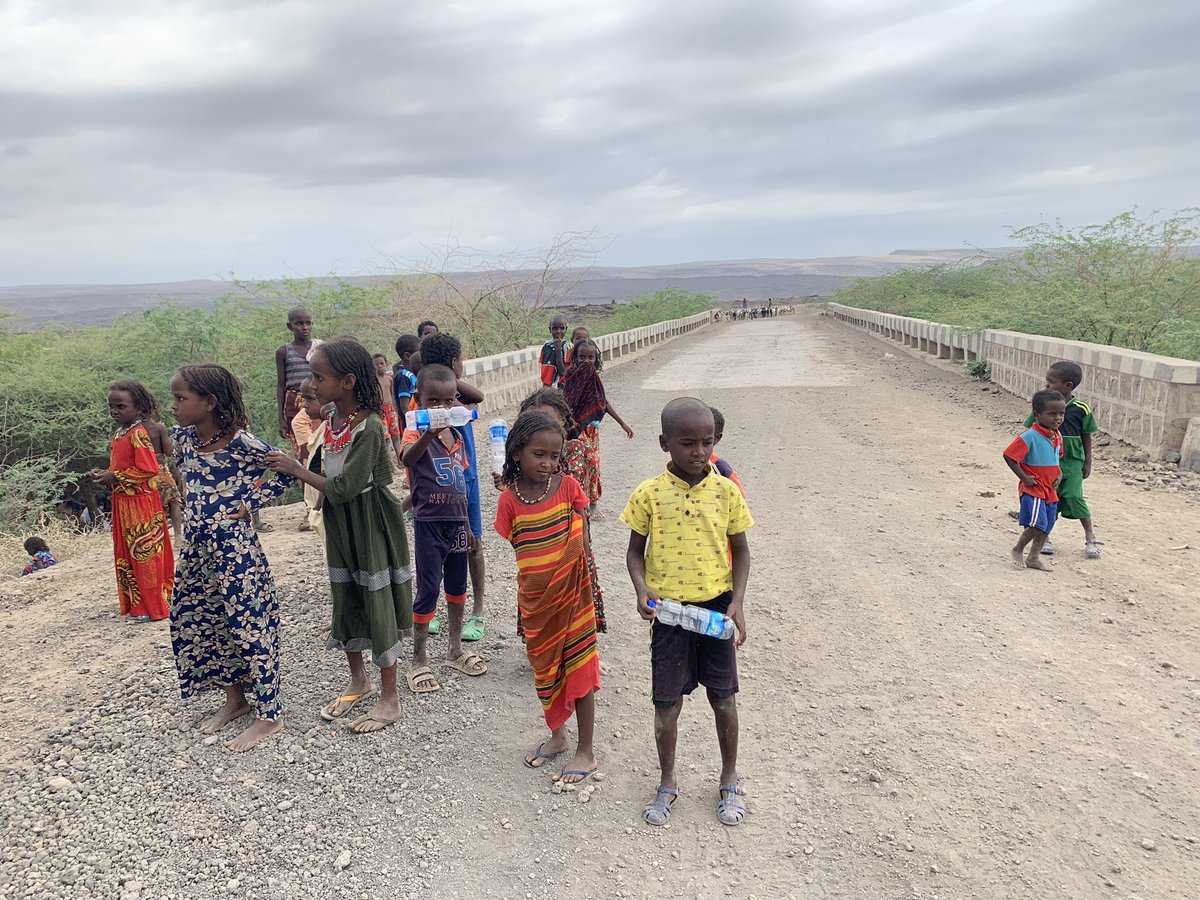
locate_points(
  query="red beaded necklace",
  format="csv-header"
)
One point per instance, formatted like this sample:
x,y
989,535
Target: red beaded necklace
x,y
337,439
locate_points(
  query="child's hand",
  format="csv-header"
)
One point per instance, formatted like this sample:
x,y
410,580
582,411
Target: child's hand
x,y
628,431
1028,480
739,621
278,461
104,477
645,610
472,541
497,482
242,515
1087,468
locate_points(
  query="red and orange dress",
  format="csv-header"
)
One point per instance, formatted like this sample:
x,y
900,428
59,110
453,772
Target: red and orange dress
x,y
554,595
141,545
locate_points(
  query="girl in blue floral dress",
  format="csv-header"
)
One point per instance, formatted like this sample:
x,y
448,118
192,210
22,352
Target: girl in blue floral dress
x,y
225,609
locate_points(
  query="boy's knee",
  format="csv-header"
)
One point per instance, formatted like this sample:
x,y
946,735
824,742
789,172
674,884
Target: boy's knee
x,y
722,701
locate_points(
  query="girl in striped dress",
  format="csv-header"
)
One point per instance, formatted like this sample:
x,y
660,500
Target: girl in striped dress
x,y
541,513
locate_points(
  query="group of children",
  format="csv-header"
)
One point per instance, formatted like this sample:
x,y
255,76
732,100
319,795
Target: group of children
x,y
1051,459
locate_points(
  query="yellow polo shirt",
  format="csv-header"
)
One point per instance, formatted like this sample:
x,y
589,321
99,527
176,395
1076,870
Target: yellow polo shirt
x,y
687,534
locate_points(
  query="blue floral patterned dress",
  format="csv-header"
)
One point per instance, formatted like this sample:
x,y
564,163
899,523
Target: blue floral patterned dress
x,y
225,609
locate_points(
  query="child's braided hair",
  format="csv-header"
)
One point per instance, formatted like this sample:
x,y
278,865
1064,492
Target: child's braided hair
x,y
347,356
527,425
552,398
212,380
142,399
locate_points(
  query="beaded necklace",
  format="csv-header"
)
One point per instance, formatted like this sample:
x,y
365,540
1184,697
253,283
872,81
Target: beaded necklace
x,y
121,432
201,445
521,497
337,439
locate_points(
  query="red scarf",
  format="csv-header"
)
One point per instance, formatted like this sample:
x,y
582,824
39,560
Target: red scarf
x,y
584,392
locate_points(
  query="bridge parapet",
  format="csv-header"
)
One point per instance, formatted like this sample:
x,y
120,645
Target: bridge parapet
x,y
1148,400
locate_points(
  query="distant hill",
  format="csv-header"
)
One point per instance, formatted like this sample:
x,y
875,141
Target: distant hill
x,y
35,306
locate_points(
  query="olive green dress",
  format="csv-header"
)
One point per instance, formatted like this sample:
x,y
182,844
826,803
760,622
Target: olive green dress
x,y
370,570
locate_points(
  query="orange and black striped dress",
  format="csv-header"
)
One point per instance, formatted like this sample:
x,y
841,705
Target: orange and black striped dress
x,y
554,595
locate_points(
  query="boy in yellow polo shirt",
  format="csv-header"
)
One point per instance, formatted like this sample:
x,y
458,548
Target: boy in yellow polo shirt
x,y
688,543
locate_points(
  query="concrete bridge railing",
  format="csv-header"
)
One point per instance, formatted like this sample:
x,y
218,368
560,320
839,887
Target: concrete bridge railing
x,y
508,378
1153,402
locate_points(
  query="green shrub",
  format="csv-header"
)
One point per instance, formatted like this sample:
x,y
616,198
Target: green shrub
x,y
979,369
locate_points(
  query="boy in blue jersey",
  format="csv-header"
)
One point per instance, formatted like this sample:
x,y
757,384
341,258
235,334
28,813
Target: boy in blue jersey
x,y
1035,458
443,349
404,380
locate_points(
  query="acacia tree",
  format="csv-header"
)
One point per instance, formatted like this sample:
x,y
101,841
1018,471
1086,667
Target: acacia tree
x,y
498,302
1129,282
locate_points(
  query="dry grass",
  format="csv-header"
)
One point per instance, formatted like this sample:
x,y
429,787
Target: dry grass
x,y
66,542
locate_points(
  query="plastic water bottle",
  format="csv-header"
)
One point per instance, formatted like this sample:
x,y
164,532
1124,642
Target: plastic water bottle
x,y
693,618
425,419
498,434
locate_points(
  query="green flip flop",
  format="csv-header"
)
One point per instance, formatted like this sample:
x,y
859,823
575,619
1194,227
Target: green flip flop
x,y
435,627
473,628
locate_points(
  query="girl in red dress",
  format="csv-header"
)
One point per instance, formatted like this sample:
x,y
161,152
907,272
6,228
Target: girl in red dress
x,y
141,545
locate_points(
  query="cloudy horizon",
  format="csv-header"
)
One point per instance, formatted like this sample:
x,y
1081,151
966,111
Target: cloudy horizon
x,y
172,141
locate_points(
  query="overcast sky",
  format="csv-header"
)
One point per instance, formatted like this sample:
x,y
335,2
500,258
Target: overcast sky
x,y
148,141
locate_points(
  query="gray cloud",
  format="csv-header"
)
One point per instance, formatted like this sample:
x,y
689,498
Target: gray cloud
x,y
148,144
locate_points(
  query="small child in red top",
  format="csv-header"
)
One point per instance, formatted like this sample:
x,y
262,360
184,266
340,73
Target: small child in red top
x,y
1034,458
723,468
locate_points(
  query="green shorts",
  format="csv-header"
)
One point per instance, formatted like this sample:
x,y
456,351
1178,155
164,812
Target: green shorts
x,y
1071,504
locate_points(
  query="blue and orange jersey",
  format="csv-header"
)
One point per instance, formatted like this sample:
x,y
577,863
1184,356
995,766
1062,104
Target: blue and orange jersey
x,y
725,469
1039,452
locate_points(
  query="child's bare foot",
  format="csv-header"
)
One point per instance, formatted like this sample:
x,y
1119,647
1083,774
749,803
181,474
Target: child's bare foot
x,y
1035,562
603,668
233,709
1018,559
580,768
251,736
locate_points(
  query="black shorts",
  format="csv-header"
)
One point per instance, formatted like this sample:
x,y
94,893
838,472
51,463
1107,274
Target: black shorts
x,y
441,553
681,659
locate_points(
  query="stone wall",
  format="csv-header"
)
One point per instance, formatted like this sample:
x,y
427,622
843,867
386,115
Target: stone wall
x,y
508,378
1141,398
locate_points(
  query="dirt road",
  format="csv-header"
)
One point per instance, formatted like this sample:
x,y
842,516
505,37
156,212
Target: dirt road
x,y
919,719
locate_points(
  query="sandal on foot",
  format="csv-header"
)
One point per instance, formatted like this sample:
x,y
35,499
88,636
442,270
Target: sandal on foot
x,y
473,629
579,776
469,664
731,809
331,712
140,619
371,723
658,810
434,627
421,681
539,758
1091,550
1048,548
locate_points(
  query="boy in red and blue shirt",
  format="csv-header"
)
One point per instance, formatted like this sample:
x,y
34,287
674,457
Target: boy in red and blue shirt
x,y
1035,458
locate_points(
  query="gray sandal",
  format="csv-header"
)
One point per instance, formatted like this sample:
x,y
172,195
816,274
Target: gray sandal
x,y
658,810
731,809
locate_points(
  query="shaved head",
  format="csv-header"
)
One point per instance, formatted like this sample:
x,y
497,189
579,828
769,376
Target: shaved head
x,y
684,409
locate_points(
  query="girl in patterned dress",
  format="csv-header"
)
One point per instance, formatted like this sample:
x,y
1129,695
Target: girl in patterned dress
x,y
370,573
225,610
141,546
542,515
584,392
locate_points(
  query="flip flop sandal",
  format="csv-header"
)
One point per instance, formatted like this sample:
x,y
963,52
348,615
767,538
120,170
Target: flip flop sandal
x,y
539,758
264,527
658,810
1048,548
582,775
469,664
421,681
358,725
328,714
732,809
1091,550
435,627
473,629
141,618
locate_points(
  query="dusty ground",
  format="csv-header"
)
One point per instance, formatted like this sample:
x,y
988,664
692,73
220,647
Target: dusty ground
x,y
918,718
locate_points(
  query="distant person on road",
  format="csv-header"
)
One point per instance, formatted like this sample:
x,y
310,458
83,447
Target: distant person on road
x,y
1034,458
1077,429
687,543
404,379
291,368
584,392
370,570
554,353
40,556
225,608
542,513
446,350
391,420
